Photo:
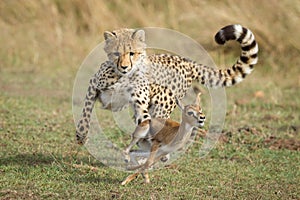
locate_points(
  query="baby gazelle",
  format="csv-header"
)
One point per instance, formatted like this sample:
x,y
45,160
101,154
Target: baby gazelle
x,y
171,137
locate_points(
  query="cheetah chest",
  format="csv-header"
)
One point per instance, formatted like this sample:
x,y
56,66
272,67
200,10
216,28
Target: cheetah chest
x,y
114,99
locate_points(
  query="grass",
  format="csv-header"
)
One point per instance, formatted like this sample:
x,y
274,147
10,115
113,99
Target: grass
x,y
257,156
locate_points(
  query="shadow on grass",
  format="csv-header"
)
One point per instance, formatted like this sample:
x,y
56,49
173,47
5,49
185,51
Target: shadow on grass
x,y
27,159
96,179
78,173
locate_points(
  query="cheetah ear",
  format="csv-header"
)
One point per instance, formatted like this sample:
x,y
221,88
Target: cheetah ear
x,y
109,35
179,104
139,35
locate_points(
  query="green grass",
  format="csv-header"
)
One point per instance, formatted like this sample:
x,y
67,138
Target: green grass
x,y
43,44
253,159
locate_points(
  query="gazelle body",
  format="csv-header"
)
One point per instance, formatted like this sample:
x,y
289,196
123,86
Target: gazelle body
x,y
166,136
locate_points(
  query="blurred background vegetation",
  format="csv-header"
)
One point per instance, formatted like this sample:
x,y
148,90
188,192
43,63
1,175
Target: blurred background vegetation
x,y
47,34
43,43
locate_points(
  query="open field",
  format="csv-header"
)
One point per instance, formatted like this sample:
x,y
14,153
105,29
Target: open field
x,y
42,46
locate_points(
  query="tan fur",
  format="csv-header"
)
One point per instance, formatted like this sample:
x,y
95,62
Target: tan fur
x,y
166,134
171,137
150,83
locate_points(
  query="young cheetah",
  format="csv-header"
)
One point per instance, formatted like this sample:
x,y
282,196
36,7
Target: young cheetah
x,y
150,83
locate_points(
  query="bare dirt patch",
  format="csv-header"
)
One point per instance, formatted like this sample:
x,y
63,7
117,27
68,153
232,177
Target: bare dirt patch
x,y
278,143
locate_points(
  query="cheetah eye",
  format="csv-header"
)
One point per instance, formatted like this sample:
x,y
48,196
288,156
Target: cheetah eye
x,y
131,53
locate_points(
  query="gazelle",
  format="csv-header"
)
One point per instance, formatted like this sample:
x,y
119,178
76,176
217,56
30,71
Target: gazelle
x,y
167,136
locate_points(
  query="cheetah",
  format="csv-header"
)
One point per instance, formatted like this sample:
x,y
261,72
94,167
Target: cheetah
x,y
151,83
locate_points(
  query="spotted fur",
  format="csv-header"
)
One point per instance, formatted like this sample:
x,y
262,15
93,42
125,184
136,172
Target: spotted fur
x,y
165,136
150,83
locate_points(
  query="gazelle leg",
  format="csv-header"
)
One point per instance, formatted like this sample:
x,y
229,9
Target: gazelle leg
x,y
150,161
140,132
135,154
146,176
145,166
128,148
130,178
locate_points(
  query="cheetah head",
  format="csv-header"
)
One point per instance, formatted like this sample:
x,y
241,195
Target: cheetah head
x,y
125,48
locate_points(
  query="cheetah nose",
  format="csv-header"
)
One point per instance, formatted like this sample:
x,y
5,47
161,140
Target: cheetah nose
x,y
124,67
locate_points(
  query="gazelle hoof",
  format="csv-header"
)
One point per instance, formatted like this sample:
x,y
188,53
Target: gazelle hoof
x,y
126,157
165,158
124,182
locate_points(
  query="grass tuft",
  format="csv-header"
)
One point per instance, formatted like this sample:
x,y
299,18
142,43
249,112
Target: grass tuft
x,y
44,42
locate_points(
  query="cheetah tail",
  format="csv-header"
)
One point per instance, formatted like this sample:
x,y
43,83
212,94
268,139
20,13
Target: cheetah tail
x,y
248,57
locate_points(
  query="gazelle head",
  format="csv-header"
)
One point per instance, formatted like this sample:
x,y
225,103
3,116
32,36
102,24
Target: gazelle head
x,y
192,113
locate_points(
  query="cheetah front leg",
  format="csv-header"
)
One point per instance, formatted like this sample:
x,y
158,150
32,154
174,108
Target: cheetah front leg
x,y
89,102
140,101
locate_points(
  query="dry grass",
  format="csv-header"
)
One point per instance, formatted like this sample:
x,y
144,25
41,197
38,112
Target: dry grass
x,y
43,42
32,30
